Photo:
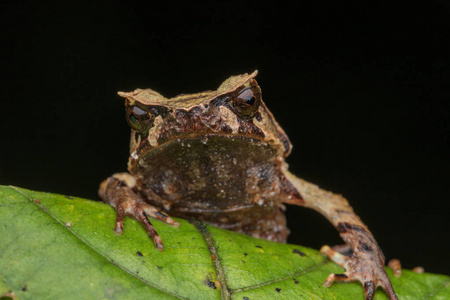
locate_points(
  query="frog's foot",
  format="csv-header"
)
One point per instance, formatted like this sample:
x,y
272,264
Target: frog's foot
x,y
120,195
396,267
362,266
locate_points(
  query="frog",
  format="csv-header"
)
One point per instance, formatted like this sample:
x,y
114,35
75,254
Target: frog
x,y
219,157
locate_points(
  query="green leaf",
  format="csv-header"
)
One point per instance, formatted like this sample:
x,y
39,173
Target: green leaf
x,y
60,247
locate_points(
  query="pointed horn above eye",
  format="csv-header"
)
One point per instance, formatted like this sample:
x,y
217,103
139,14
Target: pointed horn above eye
x,y
134,93
146,97
124,95
234,82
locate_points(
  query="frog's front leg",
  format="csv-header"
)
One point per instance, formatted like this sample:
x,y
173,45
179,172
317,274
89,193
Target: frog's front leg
x,y
366,263
118,191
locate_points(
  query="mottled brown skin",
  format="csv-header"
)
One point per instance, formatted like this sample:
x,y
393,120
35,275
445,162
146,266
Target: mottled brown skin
x,y
219,156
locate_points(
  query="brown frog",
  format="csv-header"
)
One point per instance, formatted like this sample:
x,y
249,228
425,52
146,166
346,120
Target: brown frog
x,y
219,157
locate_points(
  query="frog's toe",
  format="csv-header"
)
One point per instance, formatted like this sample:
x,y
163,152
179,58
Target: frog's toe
x,y
363,267
119,219
127,202
396,267
153,212
138,209
151,231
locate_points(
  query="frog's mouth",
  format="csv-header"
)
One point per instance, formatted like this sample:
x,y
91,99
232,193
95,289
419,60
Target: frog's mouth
x,y
204,148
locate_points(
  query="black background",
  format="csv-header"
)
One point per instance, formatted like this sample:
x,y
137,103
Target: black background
x,y
361,90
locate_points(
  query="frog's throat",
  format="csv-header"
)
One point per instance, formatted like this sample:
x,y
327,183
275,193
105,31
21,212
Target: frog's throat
x,y
199,143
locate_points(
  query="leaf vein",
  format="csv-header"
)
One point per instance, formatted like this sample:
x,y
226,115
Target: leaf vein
x,y
437,289
217,264
280,279
93,248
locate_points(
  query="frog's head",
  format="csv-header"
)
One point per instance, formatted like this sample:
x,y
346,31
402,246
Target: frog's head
x,y
234,110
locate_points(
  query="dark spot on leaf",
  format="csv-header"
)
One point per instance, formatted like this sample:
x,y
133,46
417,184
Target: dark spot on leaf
x,y
245,254
210,283
243,262
258,246
24,289
137,272
159,268
68,197
278,290
296,251
139,253
245,298
295,281
229,240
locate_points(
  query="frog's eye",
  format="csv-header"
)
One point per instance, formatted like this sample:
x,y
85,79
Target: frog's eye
x,y
139,119
246,102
